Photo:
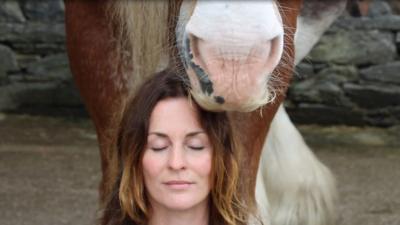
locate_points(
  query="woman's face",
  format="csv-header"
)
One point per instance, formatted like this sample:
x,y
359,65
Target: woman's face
x,y
177,158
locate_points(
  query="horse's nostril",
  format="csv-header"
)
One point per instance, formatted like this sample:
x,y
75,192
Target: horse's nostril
x,y
190,48
192,44
276,51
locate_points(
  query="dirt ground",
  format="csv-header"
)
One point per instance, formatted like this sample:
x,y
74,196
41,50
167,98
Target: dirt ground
x,y
49,171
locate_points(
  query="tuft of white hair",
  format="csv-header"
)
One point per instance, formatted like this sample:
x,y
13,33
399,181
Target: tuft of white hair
x,y
299,188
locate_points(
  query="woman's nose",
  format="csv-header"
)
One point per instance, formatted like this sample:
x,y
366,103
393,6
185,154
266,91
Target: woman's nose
x,y
177,159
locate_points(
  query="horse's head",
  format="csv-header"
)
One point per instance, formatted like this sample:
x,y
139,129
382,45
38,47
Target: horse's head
x,y
238,54
235,52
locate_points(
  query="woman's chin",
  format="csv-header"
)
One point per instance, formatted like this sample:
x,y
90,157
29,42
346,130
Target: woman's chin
x,y
182,201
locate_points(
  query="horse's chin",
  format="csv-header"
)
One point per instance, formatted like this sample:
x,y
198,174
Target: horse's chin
x,y
232,97
212,103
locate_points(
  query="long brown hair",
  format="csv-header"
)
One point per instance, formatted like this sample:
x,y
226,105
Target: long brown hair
x,y
128,203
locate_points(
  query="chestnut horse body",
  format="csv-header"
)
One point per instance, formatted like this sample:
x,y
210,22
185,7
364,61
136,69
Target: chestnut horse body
x,y
239,57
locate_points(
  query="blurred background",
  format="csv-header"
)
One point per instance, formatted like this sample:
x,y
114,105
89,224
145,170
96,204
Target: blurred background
x,y
345,99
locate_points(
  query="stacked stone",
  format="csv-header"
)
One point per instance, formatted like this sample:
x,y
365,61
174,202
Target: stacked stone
x,y
352,76
34,71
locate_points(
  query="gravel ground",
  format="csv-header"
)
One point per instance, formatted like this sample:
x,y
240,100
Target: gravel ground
x,y
49,171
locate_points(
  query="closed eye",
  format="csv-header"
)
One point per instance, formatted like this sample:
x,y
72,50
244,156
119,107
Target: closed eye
x,y
197,148
158,149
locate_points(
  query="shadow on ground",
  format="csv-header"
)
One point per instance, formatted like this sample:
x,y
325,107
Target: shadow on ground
x,y
49,171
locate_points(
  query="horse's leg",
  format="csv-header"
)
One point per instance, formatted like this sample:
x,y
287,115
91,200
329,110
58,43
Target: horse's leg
x,y
261,195
301,190
89,49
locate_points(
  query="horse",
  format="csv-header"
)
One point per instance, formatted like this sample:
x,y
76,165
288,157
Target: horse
x,y
239,57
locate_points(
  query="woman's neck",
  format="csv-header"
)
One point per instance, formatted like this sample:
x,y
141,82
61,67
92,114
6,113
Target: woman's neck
x,y
198,215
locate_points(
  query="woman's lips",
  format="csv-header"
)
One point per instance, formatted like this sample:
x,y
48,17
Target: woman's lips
x,y
178,184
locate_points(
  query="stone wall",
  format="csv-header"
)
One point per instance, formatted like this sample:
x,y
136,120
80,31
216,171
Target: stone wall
x,y
351,76
34,71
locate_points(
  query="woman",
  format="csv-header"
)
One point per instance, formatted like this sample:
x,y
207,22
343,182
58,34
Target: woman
x,y
178,162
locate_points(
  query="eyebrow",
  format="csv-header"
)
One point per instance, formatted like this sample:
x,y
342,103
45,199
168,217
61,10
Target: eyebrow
x,y
191,134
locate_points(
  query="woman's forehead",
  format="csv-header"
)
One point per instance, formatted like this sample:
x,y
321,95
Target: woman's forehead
x,y
188,135
174,114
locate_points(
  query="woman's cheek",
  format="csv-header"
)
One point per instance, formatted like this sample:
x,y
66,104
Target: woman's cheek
x,y
152,162
203,163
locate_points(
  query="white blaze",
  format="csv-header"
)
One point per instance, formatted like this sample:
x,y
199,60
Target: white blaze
x,y
241,23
